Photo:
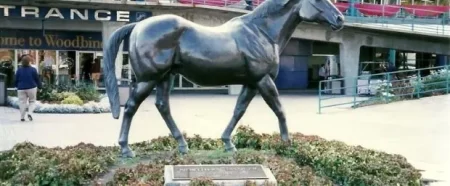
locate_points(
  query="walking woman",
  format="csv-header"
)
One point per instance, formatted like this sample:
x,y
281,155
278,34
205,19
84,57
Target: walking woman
x,y
27,82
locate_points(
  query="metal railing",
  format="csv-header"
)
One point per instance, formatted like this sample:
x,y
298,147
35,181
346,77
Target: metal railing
x,y
413,25
384,87
399,11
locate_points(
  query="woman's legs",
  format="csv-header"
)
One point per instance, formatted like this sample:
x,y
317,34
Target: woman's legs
x,y
31,93
25,96
22,94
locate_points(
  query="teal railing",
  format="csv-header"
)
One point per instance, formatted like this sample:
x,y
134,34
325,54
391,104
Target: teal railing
x,y
384,87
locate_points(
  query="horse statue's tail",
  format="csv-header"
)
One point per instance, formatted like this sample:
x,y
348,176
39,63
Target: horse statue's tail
x,y
110,50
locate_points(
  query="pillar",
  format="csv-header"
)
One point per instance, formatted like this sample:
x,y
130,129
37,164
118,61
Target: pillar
x,y
349,61
392,55
107,30
352,9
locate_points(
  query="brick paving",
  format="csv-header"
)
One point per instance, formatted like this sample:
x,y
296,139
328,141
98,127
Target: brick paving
x,y
418,130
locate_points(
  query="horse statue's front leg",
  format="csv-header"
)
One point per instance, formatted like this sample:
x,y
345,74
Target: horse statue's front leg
x,y
269,92
245,97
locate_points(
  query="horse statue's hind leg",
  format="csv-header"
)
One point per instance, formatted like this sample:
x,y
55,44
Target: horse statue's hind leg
x,y
245,97
140,92
162,103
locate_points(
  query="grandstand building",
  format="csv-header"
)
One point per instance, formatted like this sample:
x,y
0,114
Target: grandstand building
x,y
64,40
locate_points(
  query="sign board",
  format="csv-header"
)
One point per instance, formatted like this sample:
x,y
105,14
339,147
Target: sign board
x,y
71,13
219,172
52,40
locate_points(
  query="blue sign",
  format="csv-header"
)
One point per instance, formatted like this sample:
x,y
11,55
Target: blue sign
x,y
139,16
53,40
72,13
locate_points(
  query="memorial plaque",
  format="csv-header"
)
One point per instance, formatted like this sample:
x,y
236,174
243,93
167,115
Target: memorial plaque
x,y
219,172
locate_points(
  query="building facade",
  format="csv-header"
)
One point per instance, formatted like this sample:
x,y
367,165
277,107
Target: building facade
x,y
65,42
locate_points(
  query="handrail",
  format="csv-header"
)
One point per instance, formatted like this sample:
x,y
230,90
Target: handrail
x,y
405,84
406,25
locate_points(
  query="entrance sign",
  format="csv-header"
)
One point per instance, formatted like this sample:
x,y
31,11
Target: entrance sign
x,y
71,13
52,40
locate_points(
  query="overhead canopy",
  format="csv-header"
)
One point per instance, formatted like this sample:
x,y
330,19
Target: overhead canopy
x,y
426,10
342,6
210,2
377,10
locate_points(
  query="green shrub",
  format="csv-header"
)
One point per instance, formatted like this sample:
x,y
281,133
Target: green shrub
x,y
87,92
64,95
151,174
436,83
411,87
12,93
57,93
76,165
48,93
201,182
309,160
345,165
72,99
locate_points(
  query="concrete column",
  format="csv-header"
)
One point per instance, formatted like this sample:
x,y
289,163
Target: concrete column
x,y
392,55
349,61
352,8
107,30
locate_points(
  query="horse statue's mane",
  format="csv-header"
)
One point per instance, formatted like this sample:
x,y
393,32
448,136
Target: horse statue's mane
x,y
268,7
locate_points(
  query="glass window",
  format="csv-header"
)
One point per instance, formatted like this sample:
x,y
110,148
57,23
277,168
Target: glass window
x,y
7,66
97,70
86,62
126,67
66,67
47,66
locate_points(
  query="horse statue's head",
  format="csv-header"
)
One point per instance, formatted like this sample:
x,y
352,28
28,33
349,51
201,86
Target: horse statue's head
x,y
321,11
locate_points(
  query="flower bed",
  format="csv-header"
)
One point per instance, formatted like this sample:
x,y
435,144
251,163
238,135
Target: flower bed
x,y
309,160
90,107
81,98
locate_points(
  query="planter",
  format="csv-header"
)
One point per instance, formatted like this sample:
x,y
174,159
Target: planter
x,y
90,107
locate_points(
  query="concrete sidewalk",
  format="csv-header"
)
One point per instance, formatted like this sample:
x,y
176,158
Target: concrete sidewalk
x,y
418,130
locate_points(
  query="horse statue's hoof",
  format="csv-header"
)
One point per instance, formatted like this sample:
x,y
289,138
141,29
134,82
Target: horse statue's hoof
x,y
183,149
287,142
127,153
231,148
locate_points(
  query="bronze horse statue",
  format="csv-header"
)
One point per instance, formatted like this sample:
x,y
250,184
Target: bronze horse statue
x,y
245,50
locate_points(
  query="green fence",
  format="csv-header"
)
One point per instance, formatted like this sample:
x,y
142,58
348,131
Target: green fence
x,y
384,87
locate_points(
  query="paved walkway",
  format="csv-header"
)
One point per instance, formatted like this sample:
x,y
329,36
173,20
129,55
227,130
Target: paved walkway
x,y
416,129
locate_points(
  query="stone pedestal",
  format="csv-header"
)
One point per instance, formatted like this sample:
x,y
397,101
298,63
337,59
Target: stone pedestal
x,y
224,175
